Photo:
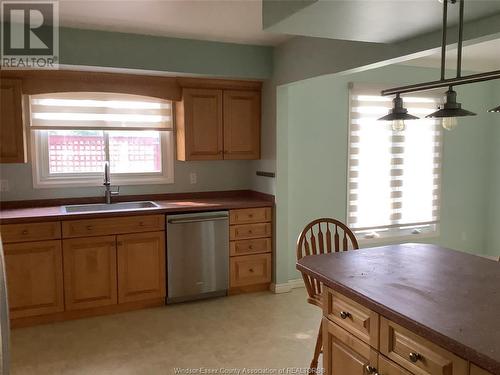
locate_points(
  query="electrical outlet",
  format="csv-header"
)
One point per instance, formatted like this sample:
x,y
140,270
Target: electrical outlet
x,y
192,178
4,185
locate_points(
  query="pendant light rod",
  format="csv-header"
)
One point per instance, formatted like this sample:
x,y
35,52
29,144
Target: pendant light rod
x,y
460,38
443,39
463,80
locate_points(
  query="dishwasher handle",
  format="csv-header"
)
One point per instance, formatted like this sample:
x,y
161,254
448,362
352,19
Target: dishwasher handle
x,y
198,219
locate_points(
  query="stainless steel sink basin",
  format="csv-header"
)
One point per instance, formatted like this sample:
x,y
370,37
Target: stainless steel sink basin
x,y
102,207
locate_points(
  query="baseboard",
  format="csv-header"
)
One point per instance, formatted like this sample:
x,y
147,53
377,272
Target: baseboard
x,y
287,287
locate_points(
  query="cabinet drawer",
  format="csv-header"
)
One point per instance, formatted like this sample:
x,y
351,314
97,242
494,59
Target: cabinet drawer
x,y
250,270
31,232
355,318
250,215
474,370
243,232
416,354
244,247
115,225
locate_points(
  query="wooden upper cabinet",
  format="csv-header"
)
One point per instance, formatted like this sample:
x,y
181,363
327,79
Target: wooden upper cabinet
x,y
141,266
34,278
90,272
12,144
241,124
199,125
215,124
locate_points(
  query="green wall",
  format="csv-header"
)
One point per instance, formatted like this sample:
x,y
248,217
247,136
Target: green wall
x,y
312,160
134,51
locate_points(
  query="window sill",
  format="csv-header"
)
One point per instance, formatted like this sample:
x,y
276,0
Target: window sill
x,y
98,182
369,242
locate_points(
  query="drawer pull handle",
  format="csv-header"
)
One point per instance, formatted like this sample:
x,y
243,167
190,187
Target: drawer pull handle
x,y
250,215
89,227
414,357
371,370
24,232
345,314
251,270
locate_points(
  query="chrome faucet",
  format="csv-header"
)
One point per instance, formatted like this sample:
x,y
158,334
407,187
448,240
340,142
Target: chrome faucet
x,y
107,184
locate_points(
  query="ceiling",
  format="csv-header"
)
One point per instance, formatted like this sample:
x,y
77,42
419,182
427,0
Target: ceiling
x,y
380,21
235,21
479,57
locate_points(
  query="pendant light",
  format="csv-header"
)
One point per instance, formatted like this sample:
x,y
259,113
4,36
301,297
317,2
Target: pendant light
x,y
451,109
398,114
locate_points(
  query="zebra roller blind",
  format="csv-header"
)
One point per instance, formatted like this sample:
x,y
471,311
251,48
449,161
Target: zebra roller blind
x,y
393,178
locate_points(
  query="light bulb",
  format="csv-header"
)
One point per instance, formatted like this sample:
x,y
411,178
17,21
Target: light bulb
x,y
449,123
398,125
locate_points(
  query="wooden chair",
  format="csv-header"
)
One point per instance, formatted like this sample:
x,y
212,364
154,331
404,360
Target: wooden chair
x,y
322,236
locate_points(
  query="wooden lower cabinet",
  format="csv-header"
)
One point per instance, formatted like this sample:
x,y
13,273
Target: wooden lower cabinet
x,y
250,270
350,350
344,354
141,266
34,278
90,278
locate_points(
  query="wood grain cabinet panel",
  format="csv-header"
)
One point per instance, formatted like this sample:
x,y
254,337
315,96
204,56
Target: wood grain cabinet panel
x,y
141,266
247,231
250,270
34,278
345,354
115,225
387,367
90,272
350,315
250,215
416,354
474,370
199,125
12,141
30,232
241,124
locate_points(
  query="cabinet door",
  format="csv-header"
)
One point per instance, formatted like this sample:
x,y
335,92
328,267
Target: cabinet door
x,y
241,125
345,354
34,278
90,272
11,122
141,266
199,125
387,367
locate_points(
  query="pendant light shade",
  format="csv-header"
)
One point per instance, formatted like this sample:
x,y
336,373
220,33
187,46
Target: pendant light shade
x,y
398,112
496,109
451,108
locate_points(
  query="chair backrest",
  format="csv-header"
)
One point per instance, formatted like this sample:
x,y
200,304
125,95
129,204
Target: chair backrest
x,y
322,236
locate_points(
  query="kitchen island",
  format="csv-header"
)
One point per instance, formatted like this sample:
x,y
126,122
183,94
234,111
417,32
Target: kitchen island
x,y
408,309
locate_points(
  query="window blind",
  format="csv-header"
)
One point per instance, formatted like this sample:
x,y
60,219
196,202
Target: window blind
x,y
99,111
393,178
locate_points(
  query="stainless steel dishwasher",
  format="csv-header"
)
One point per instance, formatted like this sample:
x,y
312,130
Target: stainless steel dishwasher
x,y
197,255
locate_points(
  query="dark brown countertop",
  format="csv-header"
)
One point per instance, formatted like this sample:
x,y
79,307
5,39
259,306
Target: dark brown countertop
x,y
178,203
449,297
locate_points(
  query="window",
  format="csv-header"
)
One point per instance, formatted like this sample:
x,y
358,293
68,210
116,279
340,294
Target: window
x,y
394,178
73,134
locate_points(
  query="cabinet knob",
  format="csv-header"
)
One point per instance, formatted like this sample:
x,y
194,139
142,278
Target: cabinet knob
x,y
414,357
250,270
89,227
250,247
141,224
371,370
119,243
25,231
345,314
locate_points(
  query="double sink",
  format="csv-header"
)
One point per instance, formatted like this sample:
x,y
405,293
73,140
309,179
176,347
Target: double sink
x,y
103,207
